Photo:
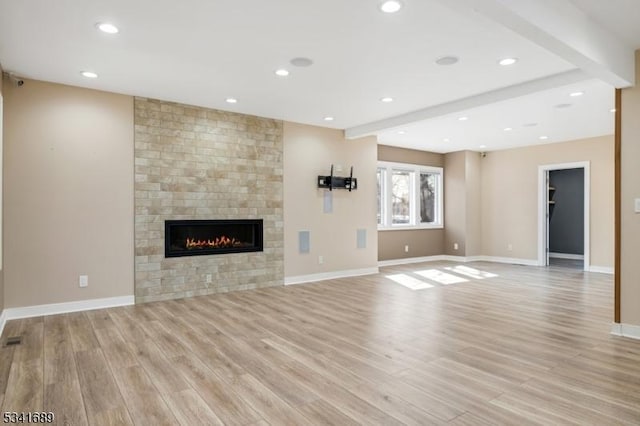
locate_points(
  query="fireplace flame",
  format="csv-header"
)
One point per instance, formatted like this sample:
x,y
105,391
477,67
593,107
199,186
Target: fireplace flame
x,y
219,242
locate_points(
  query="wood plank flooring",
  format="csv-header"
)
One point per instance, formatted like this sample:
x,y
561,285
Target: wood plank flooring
x,y
482,344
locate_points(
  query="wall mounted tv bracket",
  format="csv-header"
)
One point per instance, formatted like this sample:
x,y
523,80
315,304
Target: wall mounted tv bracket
x,y
336,182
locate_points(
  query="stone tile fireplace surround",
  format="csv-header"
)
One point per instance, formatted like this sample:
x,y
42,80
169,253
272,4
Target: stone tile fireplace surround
x,y
198,163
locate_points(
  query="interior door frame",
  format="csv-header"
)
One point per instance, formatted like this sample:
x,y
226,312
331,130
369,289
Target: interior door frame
x,y
543,194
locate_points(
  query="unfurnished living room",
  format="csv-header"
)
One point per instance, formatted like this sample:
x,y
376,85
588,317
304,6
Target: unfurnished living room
x,y
419,212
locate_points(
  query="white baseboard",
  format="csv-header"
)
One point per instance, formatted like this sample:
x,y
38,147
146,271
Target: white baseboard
x,y
566,256
409,260
63,308
444,257
3,320
301,279
602,269
626,330
509,260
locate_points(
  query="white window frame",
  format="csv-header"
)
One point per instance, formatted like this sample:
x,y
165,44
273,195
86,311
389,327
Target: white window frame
x,y
383,195
414,201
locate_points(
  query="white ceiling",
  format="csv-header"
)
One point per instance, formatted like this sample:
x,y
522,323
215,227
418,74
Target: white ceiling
x,y
201,52
622,17
577,117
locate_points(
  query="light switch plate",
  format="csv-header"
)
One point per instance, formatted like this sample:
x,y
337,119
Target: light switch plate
x,y
637,205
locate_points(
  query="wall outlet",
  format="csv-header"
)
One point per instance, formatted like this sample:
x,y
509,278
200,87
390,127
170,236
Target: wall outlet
x,y
455,246
208,278
510,247
637,205
320,260
406,249
83,281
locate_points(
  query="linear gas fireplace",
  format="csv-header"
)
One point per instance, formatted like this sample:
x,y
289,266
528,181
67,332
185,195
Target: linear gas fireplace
x,y
206,237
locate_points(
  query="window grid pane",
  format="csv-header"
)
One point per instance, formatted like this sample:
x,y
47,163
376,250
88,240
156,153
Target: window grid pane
x,y
427,197
400,197
380,177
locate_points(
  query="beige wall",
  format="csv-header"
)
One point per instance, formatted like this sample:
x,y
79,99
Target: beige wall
x,y
68,194
630,221
1,197
409,156
455,203
308,152
421,242
509,203
473,242
462,204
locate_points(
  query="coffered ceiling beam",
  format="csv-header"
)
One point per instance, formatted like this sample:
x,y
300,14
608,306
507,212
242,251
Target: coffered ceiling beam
x,y
503,94
560,27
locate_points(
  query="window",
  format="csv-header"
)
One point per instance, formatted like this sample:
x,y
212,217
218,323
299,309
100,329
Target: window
x,y
401,196
380,177
427,197
409,196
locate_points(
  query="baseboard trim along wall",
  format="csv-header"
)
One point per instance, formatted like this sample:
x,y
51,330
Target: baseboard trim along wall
x,y
3,320
626,330
601,269
509,260
301,279
62,308
409,260
566,256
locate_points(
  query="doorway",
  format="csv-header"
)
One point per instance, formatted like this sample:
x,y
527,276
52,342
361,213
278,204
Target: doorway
x,y
563,215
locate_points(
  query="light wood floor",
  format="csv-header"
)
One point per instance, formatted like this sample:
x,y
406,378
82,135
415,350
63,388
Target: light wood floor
x,y
527,346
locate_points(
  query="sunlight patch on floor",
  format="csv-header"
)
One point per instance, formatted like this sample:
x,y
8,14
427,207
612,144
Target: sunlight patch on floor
x,y
409,282
471,272
441,277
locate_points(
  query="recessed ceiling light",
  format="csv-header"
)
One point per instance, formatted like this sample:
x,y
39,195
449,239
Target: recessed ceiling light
x,y
483,146
231,100
390,6
507,129
463,118
612,110
507,61
562,106
282,72
328,119
401,132
108,28
89,74
447,60
386,99
446,140
576,94
301,62
530,125
543,138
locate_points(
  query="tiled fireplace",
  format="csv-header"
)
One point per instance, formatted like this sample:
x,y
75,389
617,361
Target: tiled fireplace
x,y
198,169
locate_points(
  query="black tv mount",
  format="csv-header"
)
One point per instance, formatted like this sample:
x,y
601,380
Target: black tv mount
x,y
336,182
